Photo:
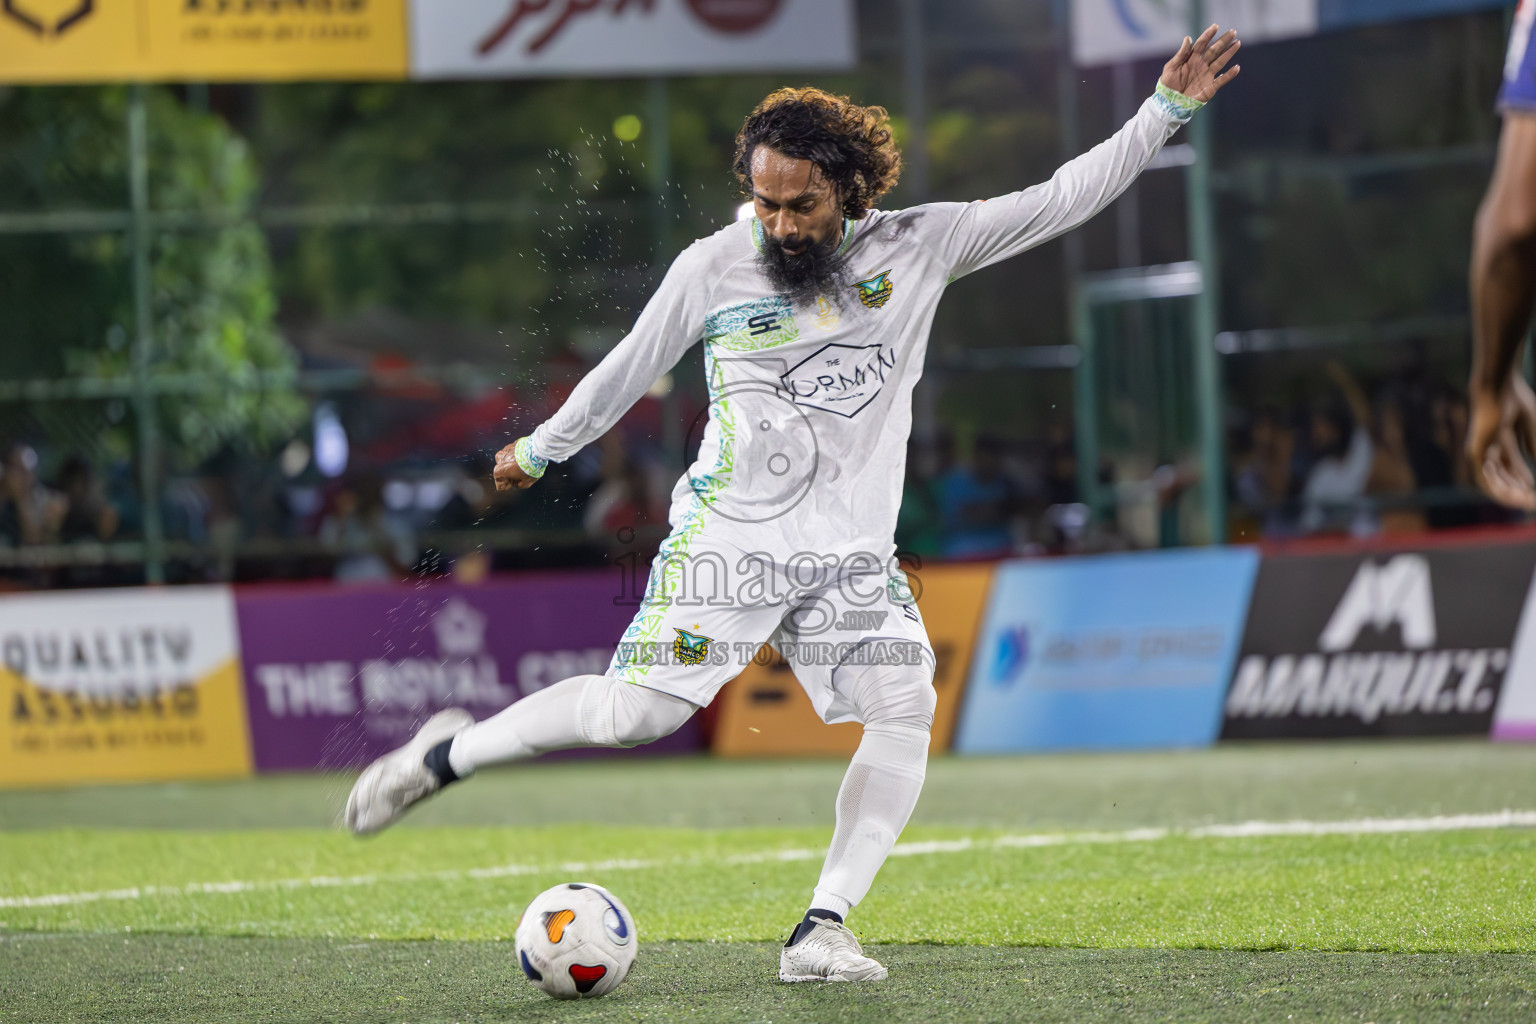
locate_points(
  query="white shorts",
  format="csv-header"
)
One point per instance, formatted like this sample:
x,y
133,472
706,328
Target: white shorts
x,y
705,616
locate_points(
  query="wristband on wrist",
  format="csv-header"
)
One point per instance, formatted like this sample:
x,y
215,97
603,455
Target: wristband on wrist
x,y
527,461
1175,104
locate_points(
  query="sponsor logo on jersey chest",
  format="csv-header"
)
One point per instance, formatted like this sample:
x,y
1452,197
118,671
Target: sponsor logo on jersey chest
x,y
748,326
827,315
876,291
840,378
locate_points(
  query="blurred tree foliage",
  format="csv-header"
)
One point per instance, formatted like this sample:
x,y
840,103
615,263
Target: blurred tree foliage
x,y
580,234
580,247
66,299
564,227
584,242
1316,227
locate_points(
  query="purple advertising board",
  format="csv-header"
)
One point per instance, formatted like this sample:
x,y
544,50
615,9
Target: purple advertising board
x,y
336,676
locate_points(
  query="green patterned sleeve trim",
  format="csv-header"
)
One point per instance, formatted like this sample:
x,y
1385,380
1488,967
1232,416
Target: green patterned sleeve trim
x,y
527,461
1175,104
848,227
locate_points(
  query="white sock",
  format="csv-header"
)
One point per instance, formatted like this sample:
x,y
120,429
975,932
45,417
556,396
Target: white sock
x,y
876,799
582,711
823,900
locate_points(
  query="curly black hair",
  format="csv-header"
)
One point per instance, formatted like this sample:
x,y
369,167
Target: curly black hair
x,y
852,145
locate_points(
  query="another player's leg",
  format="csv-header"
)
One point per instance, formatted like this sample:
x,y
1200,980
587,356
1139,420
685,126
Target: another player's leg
x,y
878,794
583,711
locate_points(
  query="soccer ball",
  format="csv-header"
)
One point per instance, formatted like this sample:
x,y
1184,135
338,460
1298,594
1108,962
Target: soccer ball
x,y
576,941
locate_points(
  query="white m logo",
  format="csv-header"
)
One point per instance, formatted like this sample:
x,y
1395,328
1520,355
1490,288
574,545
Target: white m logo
x,y
1381,595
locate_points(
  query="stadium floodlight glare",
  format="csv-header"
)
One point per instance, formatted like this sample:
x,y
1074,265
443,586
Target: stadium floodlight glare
x,y
744,211
330,442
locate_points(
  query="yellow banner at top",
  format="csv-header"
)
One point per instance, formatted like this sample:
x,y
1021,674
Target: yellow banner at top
x,y
201,40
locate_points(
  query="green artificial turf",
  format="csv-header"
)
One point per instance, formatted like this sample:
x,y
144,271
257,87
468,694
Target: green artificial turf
x,y
242,900
1469,891
1232,782
111,978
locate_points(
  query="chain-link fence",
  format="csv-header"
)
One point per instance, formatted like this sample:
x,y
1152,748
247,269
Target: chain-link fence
x,y
277,331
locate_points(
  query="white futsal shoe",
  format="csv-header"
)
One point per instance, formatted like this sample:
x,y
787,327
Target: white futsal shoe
x,y
389,786
828,953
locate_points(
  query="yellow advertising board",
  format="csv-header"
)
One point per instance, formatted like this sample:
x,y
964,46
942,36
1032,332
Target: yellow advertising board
x,y
121,685
201,40
765,713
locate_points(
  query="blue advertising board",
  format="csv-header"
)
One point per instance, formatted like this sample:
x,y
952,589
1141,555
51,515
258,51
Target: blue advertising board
x,y
1104,652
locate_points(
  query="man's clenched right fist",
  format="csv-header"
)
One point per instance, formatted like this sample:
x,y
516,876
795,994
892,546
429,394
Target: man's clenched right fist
x,y
508,473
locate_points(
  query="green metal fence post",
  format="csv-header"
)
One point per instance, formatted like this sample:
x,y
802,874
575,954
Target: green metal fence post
x,y
1085,402
1085,409
1202,249
143,336
658,112
914,92
915,189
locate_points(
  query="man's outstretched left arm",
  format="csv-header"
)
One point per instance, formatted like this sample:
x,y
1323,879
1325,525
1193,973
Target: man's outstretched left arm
x,y
983,233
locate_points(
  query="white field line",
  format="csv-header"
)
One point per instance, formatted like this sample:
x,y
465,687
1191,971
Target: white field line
x,y
1244,830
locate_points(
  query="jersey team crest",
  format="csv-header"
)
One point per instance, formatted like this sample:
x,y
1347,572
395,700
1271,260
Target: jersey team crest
x,y
690,648
875,292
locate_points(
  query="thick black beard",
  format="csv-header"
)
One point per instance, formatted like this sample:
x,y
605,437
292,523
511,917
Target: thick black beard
x,y
819,270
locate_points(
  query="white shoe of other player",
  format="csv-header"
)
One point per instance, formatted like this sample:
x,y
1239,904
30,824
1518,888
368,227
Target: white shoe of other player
x,y
829,952
389,786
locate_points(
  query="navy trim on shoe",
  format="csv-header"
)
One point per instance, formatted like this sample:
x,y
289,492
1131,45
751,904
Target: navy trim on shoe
x,y
437,762
806,926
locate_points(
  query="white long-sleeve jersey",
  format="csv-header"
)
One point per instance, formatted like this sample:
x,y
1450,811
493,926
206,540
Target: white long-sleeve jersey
x,y
804,449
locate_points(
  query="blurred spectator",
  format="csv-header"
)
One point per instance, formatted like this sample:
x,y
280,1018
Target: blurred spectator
x,y
628,511
471,499
920,522
371,545
1395,466
1433,459
1170,481
1439,465
1344,453
185,509
1264,470
1454,415
223,526
29,512
976,503
87,515
1061,482
1392,476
